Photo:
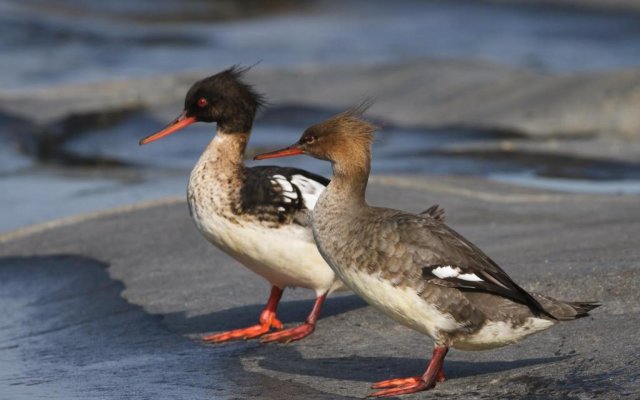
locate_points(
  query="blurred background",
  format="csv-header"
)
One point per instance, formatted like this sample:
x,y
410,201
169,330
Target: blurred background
x,y
544,94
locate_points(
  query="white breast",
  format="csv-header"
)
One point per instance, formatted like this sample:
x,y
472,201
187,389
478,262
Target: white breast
x,y
403,305
285,256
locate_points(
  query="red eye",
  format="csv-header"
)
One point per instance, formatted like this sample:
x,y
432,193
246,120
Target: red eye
x,y
202,102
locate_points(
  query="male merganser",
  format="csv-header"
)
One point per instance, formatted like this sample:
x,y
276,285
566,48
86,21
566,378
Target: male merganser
x,y
416,270
259,215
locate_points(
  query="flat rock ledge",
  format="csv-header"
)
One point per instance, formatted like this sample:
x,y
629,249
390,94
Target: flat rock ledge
x,y
111,306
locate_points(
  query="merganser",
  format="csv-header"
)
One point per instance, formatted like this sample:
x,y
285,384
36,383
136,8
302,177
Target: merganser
x,y
258,215
416,270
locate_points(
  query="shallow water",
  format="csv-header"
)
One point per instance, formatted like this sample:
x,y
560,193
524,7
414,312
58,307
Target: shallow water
x,y
119,171
105,167
64,41
570,185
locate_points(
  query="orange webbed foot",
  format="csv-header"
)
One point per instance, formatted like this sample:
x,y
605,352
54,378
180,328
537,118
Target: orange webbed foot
x,y
268,321
390,383
400,386
289,335
413,384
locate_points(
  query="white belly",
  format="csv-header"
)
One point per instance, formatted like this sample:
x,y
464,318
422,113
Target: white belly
x,y
498,334
400,304
285,256
404,306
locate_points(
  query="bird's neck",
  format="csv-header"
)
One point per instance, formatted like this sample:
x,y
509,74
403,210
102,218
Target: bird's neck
x,y
350,176
226,150
216,180
221,165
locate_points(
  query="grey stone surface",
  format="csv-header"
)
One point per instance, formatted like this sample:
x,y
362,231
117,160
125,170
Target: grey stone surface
x,y
112,307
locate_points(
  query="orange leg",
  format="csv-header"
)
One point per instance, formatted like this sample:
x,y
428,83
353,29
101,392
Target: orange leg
x,y
299,332
433,374
267,320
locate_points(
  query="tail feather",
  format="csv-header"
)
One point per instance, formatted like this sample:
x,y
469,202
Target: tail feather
x,y
583,307
566,310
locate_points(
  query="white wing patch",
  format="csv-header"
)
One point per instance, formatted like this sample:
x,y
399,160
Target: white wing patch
x,y
284,183
448,271
309,188
288,191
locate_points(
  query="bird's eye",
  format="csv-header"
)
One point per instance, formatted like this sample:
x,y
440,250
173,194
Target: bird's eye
x,y
202,102
309,139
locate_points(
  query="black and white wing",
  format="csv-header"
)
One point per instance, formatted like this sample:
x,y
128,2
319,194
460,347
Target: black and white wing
x,y
472,269
281,195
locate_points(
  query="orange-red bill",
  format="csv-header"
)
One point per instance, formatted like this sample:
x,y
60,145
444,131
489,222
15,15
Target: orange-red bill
x,y
293,150
181,122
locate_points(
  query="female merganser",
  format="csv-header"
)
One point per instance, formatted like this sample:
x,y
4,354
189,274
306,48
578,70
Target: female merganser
x,y
258,215
416,270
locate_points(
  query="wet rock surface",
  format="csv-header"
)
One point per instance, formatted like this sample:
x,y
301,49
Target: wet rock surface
x,y
112,307
428,94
